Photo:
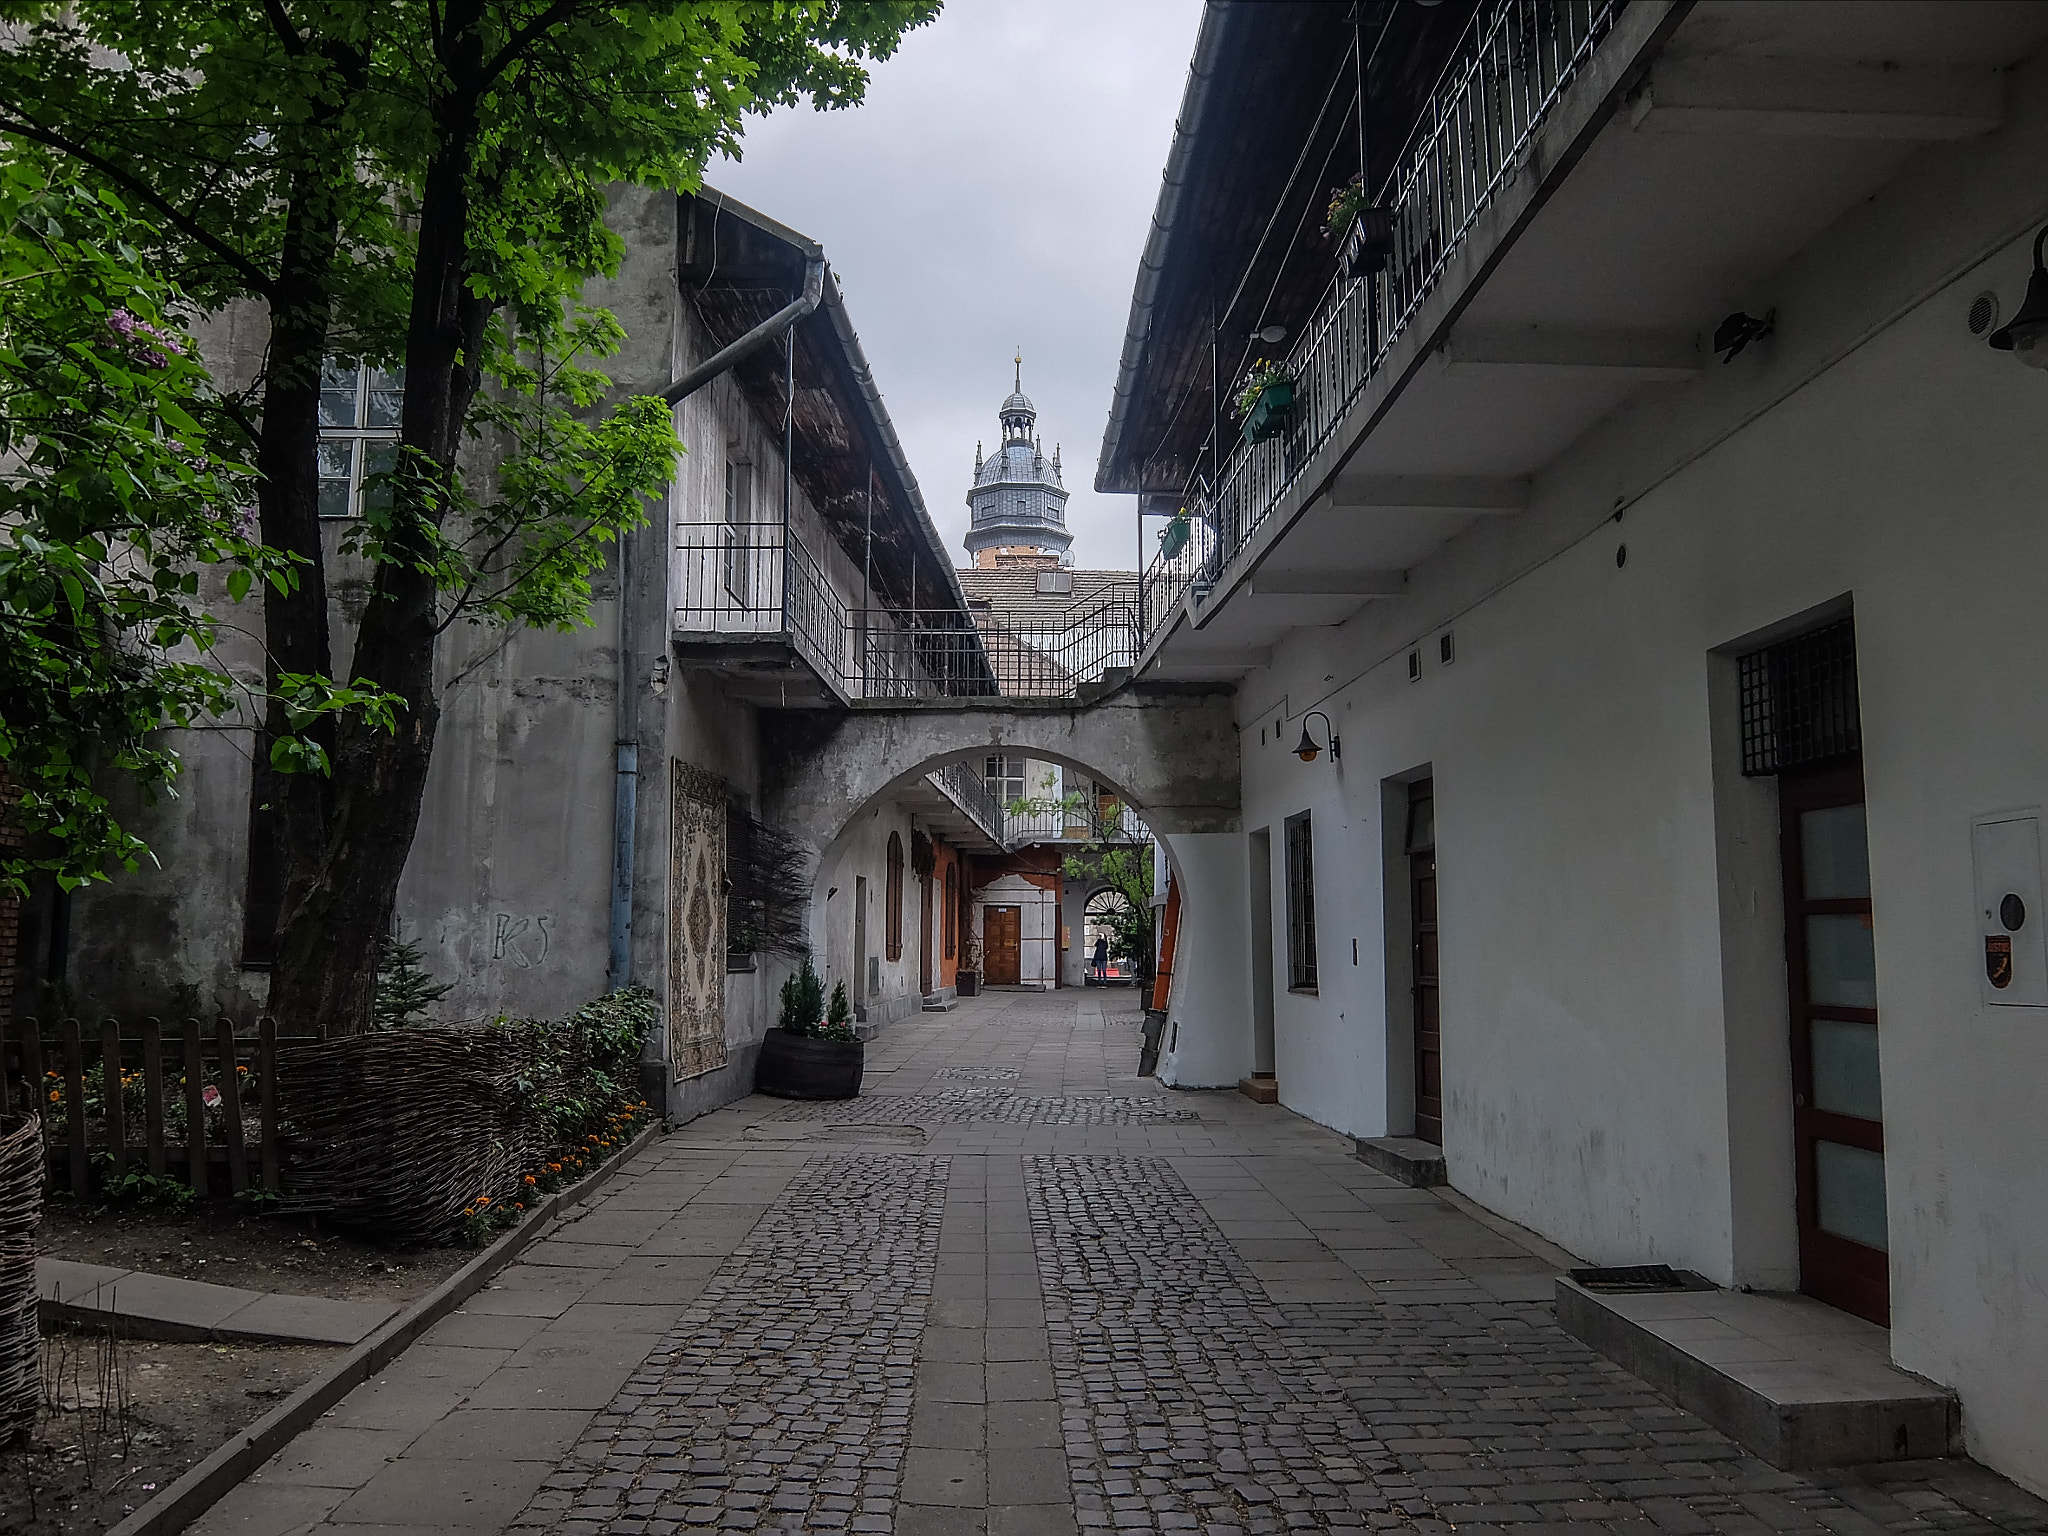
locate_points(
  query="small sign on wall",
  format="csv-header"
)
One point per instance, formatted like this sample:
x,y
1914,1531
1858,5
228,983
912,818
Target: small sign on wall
x,y
2012,925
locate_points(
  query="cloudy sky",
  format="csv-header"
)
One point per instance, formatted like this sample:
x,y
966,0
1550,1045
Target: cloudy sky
x,y
994,192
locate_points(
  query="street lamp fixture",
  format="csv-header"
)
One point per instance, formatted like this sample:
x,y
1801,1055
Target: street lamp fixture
x,y
1308,751
2026,335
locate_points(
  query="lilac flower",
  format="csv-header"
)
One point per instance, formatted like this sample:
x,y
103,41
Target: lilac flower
x,y
146,344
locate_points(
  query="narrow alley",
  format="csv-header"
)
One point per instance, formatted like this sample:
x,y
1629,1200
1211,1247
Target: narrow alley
x,y
1015,1289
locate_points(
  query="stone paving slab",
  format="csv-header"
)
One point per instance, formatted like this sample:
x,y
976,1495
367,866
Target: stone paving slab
x,y
171,1307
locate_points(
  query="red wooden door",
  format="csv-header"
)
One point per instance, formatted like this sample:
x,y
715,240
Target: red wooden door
x,y
1837,1102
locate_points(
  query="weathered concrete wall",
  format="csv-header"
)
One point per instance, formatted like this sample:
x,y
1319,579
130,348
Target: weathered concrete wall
x,y
1171,752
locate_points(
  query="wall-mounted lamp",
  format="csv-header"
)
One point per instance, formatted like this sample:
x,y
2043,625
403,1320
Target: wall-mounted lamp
x,y
1273,335
1308,751
2025,336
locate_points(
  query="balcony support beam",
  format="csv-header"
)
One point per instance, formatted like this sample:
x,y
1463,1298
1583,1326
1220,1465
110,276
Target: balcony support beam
x,y
1817,99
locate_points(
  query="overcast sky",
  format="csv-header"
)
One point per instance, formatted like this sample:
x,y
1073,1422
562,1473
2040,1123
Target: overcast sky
x,y
994,192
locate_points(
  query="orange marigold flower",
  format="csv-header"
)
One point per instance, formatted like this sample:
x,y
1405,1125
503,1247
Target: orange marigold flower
x,y
531,1179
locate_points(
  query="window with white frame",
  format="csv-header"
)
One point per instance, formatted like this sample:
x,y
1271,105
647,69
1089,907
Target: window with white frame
x,y
1005,778
359,406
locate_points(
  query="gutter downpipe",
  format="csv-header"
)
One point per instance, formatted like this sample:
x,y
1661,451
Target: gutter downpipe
x,y
626,746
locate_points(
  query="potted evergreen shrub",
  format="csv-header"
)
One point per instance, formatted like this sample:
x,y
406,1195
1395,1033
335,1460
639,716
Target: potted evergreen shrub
x,y
812,1053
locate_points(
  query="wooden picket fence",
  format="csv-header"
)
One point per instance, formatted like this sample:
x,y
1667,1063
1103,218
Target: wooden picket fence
x,y
46,1067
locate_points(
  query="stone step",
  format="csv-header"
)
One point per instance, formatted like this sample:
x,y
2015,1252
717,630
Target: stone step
x,y
146,1306
1259,1088
1798,1382
1410,1159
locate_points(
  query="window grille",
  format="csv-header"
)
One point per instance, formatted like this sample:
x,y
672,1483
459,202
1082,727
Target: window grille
x,y
1301,905
359,409
1799,702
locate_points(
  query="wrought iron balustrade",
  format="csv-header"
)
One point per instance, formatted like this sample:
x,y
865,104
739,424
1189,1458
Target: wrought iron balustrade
x,y
971,790
1467,145
738,579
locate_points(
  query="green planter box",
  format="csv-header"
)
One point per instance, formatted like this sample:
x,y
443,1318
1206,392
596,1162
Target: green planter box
x,y
1272,414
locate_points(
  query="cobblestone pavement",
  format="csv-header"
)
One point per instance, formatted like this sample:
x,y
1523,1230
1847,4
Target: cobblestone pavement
x,y
1014,1290
782,1397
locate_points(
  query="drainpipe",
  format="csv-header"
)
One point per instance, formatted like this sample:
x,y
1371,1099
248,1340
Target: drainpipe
x,y
626,746
758,337
626,778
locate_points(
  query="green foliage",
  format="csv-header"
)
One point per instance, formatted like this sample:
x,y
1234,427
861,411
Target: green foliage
x,y
803,1000
841,1009
406,994
583,1064
123,484
1261,376
413,183
1347,202
1111,855
143,1188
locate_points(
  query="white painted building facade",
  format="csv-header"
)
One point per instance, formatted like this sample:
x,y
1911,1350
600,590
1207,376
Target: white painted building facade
x,y
1523,565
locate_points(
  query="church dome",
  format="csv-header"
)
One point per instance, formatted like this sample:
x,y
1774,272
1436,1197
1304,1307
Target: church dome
x,y
1018,404
1017,500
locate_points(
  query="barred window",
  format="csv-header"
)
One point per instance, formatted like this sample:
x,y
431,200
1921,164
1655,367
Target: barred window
x,y
1799,700
1301,905
359,409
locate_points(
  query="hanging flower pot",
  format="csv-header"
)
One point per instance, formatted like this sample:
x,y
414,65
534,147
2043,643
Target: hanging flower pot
x,y
1173,538
1266,401
1365,230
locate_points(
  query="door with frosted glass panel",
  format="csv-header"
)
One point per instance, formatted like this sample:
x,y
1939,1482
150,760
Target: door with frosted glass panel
x,y
1837,1102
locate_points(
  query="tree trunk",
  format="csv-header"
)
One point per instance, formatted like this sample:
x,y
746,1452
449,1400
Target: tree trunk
x,y
330,942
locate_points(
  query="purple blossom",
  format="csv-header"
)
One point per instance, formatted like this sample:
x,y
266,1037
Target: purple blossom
x,y
149,345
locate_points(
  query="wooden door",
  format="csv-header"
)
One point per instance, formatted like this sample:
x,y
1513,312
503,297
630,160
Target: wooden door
x,y
1429,1052
1000,931
1837,1101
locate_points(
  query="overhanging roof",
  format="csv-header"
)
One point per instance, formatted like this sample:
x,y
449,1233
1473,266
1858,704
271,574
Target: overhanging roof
x,y
1267,127
738,267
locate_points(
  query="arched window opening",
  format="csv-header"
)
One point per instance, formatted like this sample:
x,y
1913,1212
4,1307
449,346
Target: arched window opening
x,y
892,901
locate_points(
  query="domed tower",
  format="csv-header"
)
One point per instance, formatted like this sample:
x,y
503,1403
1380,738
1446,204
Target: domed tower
x,y
1019,506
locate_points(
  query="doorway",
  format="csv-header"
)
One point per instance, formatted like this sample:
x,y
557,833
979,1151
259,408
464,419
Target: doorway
x,y
1001,928
1420,846
924,936
1837,1099
1263,1055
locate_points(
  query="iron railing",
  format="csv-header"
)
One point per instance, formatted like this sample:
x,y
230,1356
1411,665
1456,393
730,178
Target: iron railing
x,y
756,579
971,792
1467,145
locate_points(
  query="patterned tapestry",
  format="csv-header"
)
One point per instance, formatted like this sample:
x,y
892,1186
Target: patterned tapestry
x,y
696,920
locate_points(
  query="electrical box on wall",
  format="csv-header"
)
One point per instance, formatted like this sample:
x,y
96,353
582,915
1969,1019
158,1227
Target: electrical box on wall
x,y
2012,923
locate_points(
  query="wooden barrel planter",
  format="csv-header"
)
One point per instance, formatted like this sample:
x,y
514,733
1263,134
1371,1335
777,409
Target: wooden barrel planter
x,y
21,1208
799,1067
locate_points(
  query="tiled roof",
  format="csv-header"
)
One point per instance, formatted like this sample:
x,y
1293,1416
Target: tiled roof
x,y
1014,587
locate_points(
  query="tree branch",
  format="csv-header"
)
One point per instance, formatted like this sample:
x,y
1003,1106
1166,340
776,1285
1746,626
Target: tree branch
x,y
280,23
259,281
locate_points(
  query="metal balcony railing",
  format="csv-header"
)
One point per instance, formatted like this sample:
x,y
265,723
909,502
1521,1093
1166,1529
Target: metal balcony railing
x,y
1468,140
754,579
971,792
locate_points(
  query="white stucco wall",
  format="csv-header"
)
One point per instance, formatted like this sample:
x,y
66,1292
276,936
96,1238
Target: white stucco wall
x,y
1209,1025
1616,1057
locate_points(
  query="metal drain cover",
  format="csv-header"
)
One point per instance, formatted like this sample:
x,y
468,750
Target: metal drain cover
x,y
1631,1277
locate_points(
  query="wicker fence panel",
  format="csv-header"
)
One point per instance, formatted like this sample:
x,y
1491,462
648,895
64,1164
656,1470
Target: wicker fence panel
x,y
396,1133
21,1207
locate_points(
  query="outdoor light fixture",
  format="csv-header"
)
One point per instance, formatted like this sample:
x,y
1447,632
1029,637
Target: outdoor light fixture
x,y
1273,335
2025,336
1308,751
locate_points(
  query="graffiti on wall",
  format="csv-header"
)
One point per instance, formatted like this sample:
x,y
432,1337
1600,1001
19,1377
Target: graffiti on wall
x,y
520,939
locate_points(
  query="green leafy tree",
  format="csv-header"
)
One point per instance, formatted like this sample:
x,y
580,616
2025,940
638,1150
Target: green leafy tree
x,y
1114,852
125,516
421,184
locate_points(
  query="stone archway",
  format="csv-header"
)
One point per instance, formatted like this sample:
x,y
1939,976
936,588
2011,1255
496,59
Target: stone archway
x,y
1171,752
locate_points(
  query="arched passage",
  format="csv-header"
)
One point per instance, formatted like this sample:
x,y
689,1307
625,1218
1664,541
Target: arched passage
x,y
1171,755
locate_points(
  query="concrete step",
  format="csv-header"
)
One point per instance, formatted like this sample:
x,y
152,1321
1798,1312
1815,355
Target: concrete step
x,y
1799,1383
1260,1089
939,1003
147,1306
1407,1158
